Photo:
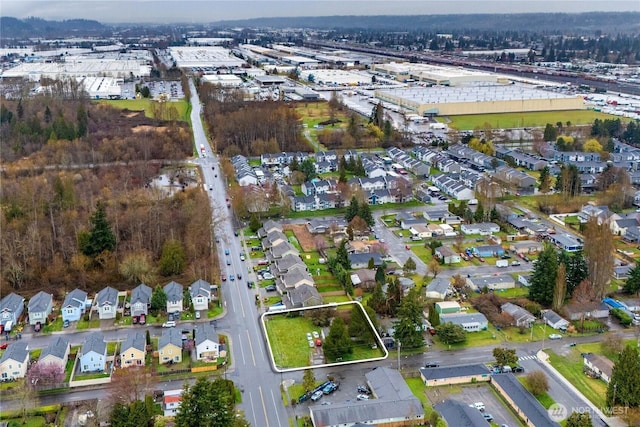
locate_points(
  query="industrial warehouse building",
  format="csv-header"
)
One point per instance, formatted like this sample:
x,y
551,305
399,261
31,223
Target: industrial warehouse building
x,y
481,98
435,74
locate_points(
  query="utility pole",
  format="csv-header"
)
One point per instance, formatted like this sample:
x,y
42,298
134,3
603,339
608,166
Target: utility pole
x,y
399,344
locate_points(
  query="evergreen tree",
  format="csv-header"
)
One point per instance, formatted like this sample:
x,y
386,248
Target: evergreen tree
x,y
579,419
173,259
380,276
409,266
294,165
544,182
342,170
560,290
550,133
394,296
83,121
577,269
308,380
342,256
434,316
364,212
47,115
371,264
408,328
632,285
451,334
206,404
544,276
20,109
378,302
254,223
352,210
359,327
100,237
158,299
359,168
308,169
478,216
494,216
338,343
624,386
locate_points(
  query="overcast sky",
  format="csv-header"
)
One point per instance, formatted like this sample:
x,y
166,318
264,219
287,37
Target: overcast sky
x,y
154,11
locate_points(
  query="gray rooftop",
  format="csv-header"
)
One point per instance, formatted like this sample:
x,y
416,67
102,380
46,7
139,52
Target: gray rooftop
x,y
453,371
459,414
75,298
18,351
107,295
94,342
11,302
439,284
135,340
206,332
174,291
170,336
40,302
57,348
388,384
141,293
463,318
200,287
531,408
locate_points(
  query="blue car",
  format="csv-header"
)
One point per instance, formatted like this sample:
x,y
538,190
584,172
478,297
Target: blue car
x,y
232,277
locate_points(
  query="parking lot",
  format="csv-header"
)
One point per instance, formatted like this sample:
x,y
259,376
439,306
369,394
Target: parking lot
x,y
347,392
482,393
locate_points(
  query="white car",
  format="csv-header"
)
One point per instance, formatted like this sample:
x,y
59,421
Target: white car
x,y
555,336
362,397
311,344
169,324
316,335
309,337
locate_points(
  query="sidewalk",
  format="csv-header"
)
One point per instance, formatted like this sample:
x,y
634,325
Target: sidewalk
x,y
611,421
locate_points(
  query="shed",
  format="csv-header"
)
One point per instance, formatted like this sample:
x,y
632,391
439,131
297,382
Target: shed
x,y
447,307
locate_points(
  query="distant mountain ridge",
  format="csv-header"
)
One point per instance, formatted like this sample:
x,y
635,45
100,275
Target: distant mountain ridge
x,y
36,27
610,22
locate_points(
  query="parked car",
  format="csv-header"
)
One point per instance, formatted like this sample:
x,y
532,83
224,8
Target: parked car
x,y
250,284
362,397
65,324
197,314
4,345
518,369
431,365
330,388
478,405
270,288
488,417
316,396
242,257
555,337
37,327
232,277
169,324
363,389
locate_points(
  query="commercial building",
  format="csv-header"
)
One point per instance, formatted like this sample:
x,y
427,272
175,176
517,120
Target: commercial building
x,y
204,56
434,74
478,99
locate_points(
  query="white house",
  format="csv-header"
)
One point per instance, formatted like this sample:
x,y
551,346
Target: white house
x,y
57,352
554,320
93,354
175,294
438,288
207,346
74,305
14,361
11,307
200,292
40,306
599,365
481,228
107,303
140,300
171,402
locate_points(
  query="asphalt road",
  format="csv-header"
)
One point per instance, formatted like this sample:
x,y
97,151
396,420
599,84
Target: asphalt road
x,y
250,368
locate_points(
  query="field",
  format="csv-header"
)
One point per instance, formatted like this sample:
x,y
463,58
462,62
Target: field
x,y
519,120
305,239
183,107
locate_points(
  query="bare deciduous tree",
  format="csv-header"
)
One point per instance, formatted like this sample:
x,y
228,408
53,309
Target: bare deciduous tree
x,y
598,250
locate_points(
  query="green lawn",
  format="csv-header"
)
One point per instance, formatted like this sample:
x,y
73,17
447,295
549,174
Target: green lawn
x,y
512,293
288,340
54,326
183,107
529,119
32,421
214,311
336,298
570,366
93,323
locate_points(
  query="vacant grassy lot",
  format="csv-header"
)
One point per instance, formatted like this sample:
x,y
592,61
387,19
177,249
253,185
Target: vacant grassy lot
x,y
288,340
183,107
570,366
533,119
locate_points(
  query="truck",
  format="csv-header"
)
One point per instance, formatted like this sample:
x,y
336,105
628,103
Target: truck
x,y
502,263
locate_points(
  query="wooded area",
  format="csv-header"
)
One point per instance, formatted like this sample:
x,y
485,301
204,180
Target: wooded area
x,y
49,194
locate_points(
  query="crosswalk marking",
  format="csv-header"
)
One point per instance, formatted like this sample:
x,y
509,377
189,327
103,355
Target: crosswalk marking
x,y
527,358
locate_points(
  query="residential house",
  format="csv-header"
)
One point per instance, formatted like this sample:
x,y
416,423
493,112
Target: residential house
x,y
273,238
407,223
470,322
526,226
620,226
134,350
588,211
599,365
14,361
293,279
461,374
286,264
435,230
447,255
303,203
504,281
554,320
406,284
328,201
140,300
521,317
281,250
207,344
438,288
481,228
57,352
524,279
171,402
74,305
457,413
515,177
323,226
436,214
39,308
11,307
316,187
453,187
525,247
200,292
421,231
107,303
303,296
528,161
362,260
488,251
364,278
381,197
566,242
170,346
267,227
621,271
93,354
632,235
578,312
246,177
521,401
175,295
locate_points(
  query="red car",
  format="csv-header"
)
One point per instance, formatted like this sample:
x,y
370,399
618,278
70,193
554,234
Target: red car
x,y
407,247
4,345
224,277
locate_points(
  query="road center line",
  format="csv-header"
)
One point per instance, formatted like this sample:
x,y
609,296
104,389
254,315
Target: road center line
x,y
264,407
251,348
